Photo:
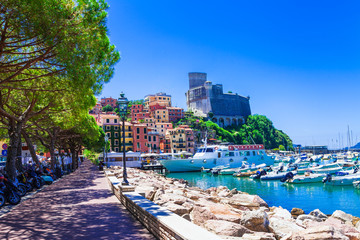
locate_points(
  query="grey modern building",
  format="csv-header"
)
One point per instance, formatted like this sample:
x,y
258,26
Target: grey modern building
x,y
203,97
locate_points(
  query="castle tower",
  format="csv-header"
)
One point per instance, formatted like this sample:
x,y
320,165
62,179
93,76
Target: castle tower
x,y
196,79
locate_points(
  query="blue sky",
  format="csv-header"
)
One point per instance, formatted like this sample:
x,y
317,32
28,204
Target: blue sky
x,y
299,61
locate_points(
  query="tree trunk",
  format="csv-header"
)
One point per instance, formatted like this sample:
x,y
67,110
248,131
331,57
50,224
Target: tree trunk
x,y
18,161
14,131
52,149
73,157
31,148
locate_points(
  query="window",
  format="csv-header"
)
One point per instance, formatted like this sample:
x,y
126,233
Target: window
x,y
208,149
116,134
149,138
247,153
154,138
144,130
107,120
231,154
107,127
116,149
138,145
145,137
116,142
115,120
137,130
108,134
116,127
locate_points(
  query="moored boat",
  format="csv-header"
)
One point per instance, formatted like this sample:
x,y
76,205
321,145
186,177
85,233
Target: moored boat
x,y
307,178
211,156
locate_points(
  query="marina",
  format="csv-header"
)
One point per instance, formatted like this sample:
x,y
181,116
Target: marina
x,y
305,196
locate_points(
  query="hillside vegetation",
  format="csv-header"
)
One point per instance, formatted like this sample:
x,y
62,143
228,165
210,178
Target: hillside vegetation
x,y
257,129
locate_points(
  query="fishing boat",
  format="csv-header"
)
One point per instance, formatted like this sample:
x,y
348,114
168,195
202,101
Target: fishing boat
x,y
209,157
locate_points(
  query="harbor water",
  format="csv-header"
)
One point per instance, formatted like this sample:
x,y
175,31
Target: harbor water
x,y
305,196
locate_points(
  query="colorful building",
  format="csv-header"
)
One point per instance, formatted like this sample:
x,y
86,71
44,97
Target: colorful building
x,y
175,114
181,139
161,115
158,99
140,134
162,127
138,112
109,101
154,142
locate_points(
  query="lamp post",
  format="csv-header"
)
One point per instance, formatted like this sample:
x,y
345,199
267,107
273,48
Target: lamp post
x,y
123,108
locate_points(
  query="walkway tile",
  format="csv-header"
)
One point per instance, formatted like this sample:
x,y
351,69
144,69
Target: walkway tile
x,y
79,206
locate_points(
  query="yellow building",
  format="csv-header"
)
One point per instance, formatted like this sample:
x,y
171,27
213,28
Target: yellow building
x,y
160,99
181,139
112,127
161,115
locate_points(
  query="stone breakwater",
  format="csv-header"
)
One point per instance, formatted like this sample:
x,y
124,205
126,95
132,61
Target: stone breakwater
x,y
233,214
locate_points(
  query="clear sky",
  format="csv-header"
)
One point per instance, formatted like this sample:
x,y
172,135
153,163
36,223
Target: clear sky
x,y
299,61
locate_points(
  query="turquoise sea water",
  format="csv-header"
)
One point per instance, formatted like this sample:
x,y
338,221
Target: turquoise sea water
x,y
305,196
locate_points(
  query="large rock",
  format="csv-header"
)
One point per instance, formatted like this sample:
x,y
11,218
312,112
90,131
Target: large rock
x,y
147,191
226,228
178,209
255,220
235,218
279,212
258,236
282,227
245,200
318,213
199,215
342,216
171,197
346,228
296,212
319,233
301,218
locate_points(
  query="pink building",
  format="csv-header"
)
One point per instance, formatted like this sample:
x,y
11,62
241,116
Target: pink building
x,y
140,134
175,114
138,112
109,101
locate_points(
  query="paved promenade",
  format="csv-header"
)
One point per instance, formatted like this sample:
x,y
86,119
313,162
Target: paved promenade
x,y
78,206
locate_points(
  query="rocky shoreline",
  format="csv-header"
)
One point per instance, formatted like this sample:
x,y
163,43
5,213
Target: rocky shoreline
x,y
233,214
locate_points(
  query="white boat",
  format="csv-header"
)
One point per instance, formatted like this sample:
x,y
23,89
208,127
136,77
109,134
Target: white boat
x,y
342,180
209,157
276,175
322,169
307,178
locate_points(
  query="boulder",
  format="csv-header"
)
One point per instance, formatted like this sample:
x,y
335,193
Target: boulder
x,y
171,197
296,212
175,208
355,220
302,217
245,200
255,220
258,236
342,216
226,228
346,228
199,215
186,216
230,218
318,213
279,212
282,227
234,191
319,233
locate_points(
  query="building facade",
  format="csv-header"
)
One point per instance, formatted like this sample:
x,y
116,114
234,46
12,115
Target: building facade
x,y
140,134
204,98
181,139
175,114
109,101
161,99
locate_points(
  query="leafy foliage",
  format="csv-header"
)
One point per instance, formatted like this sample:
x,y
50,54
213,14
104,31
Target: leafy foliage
x,y
258,129
107,108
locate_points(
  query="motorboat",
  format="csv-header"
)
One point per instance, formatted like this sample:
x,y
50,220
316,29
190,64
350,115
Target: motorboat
x,y
306,178
209,157
276,175
341,180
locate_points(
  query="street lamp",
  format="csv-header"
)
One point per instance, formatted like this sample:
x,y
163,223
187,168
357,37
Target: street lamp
x,y
123,108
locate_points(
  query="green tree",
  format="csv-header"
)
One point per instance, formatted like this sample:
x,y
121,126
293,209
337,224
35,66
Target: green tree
x,y
107,108
48,49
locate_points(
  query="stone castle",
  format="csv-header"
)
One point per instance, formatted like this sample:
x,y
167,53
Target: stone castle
x,y
203,98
